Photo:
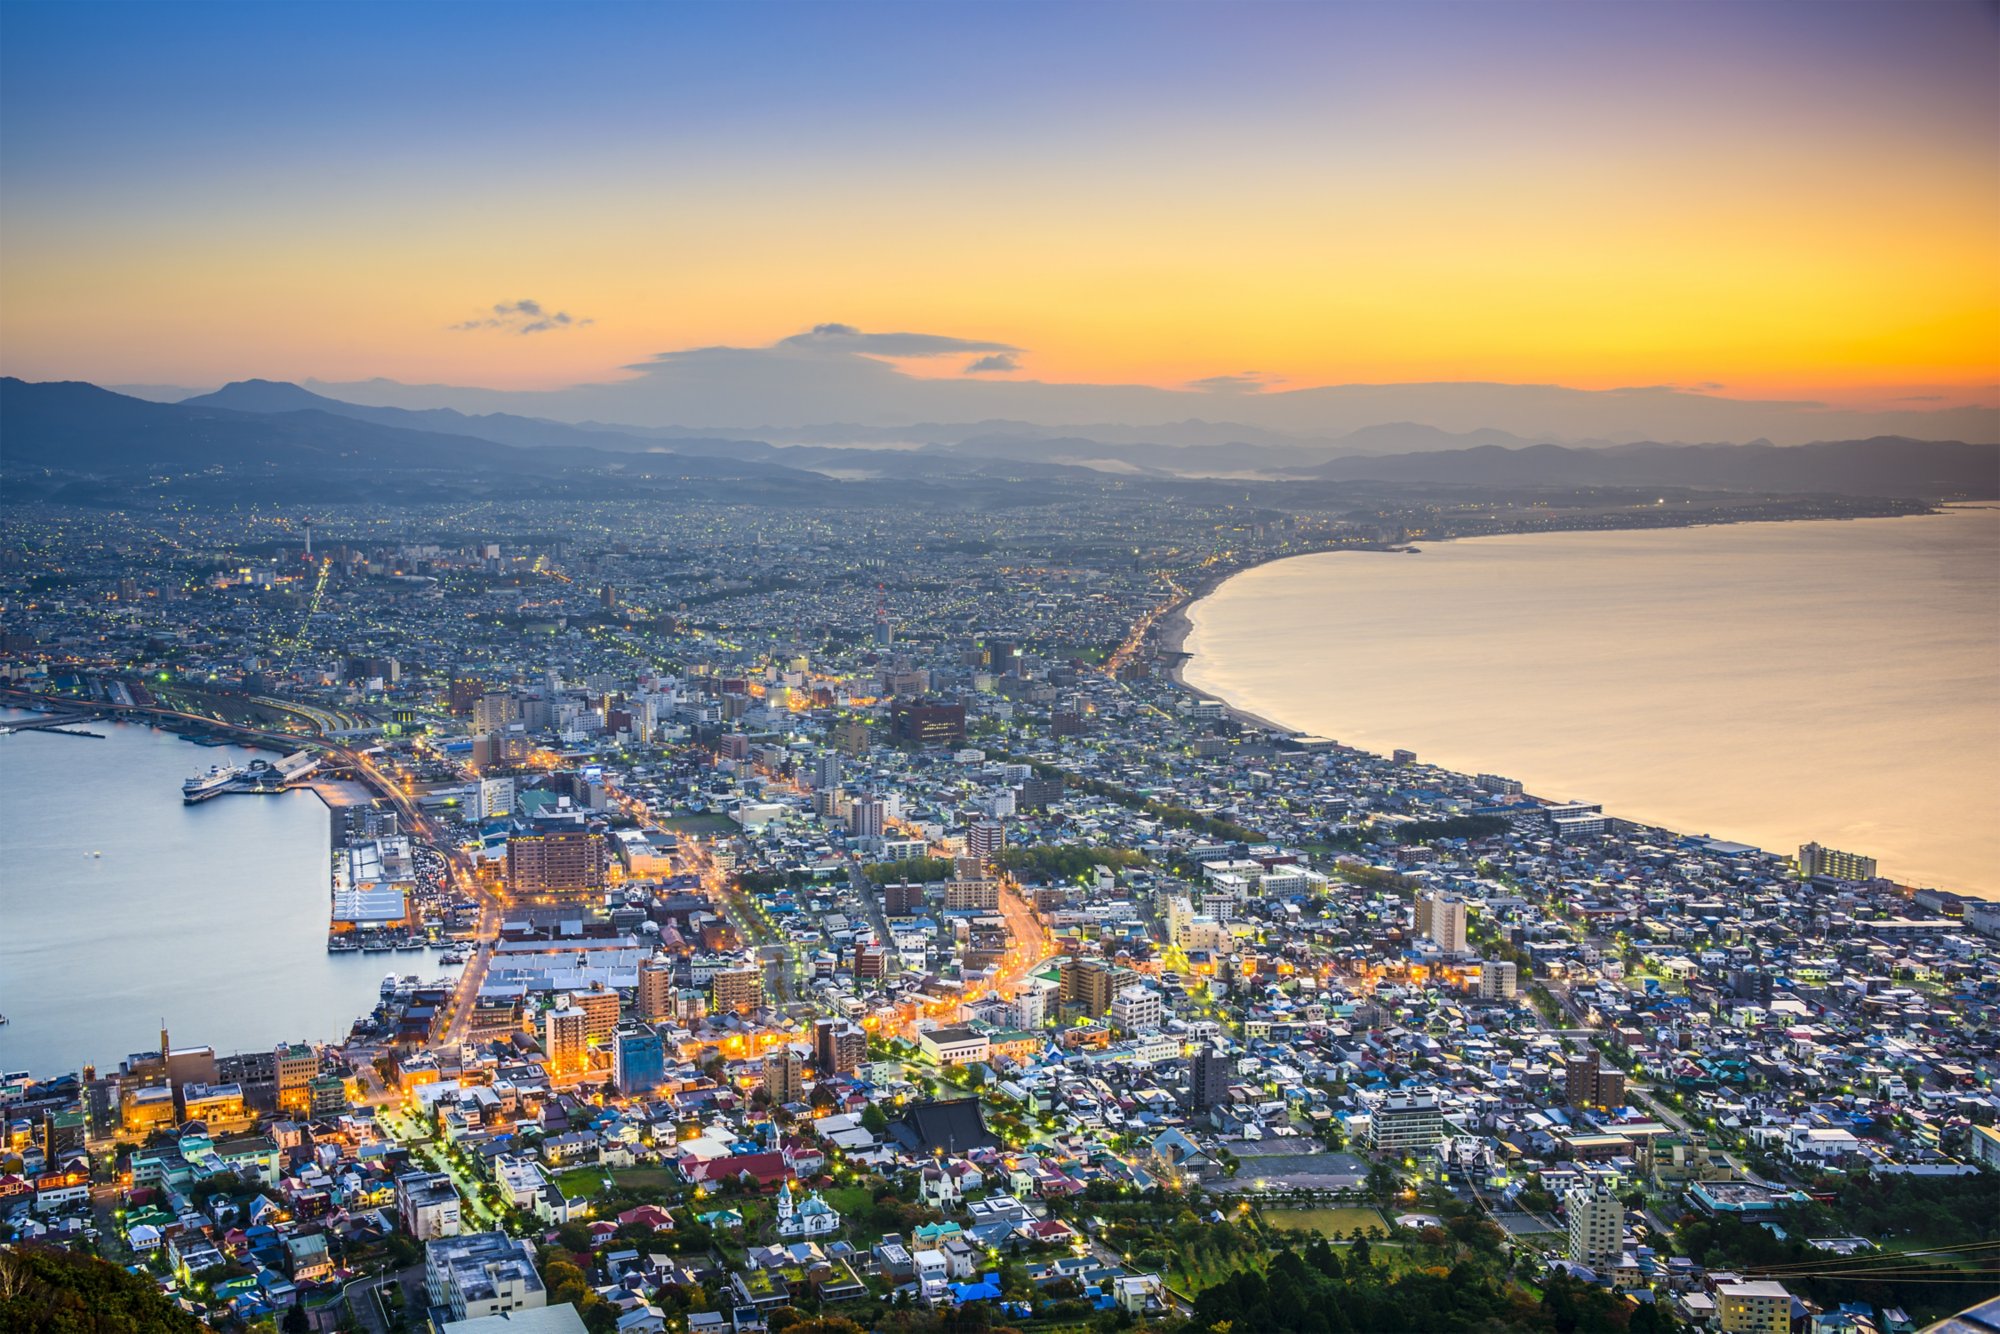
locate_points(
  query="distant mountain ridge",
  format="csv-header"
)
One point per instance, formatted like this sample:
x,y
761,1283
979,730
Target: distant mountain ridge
x,y
1201,446
775,390
1881,466
78,427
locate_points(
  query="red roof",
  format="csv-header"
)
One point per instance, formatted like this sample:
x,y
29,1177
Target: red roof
x,y
647,1215
768,1168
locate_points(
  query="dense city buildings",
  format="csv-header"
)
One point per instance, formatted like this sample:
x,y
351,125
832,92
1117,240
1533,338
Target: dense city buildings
x,y
708,899
561,862
1815,860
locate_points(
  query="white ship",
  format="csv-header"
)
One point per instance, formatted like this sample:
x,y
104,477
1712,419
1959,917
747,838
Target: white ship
x,y
213,783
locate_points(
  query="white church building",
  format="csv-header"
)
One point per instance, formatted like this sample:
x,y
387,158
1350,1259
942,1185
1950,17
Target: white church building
x,y
814,1218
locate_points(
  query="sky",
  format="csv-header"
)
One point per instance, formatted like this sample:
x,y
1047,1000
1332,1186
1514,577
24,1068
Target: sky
x,y
1759,201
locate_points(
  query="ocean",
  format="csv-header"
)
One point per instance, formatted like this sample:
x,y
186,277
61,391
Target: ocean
x,y
1769,683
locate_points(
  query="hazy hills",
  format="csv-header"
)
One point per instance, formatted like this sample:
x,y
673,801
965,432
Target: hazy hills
x,y
1882,466
797,382
79,428
76,427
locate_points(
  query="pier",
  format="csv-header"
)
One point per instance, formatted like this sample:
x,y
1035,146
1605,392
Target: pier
x,y
55,723
259,776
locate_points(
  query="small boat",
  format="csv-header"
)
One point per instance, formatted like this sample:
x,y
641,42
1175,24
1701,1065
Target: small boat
x,y
3,1019
97,854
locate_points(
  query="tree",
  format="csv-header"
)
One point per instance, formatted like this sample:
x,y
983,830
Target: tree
x,y
1382,1183
55,1292
875,1120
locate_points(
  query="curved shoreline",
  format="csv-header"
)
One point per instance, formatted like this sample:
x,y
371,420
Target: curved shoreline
x,y
1177,626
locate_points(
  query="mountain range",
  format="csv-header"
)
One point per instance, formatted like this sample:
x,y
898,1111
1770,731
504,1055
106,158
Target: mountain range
x,y
79,428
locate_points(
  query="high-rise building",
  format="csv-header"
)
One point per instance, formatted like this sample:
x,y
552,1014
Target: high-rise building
x,y
1499,979
839,1047
566,1038
903,899
1588,1081
826,773
638,1062
1816,860
463,693
927,722
871,961
1137,1010
976,895
496,798
64,1131
1209,1074
984,839
784,1075
482,1274
294,1066
1031,1005
867,817
329,1097
1087,985
737,991
851,737
654,996
1596,1227
1037,793
1442,918
601,1006
427,1205
1763,1307
492,711
561,862
1405,1122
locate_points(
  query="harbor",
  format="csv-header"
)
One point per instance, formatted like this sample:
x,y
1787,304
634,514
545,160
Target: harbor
x,y
258,776
112,922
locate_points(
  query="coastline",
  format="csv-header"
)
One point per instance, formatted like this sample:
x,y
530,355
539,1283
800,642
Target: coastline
x,y
1176,625
186,910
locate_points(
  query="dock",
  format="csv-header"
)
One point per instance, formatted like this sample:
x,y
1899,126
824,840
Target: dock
x,y
58,723
259,776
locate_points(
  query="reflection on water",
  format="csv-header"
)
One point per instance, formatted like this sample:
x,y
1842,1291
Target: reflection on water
x,y
1769,683
210,917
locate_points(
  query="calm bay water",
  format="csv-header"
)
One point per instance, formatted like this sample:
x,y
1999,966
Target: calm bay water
x,y
212,917
1767,683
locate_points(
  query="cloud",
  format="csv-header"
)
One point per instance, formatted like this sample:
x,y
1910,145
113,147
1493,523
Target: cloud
x,y
1249,382
847,338
1921,398
523,317
999,362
